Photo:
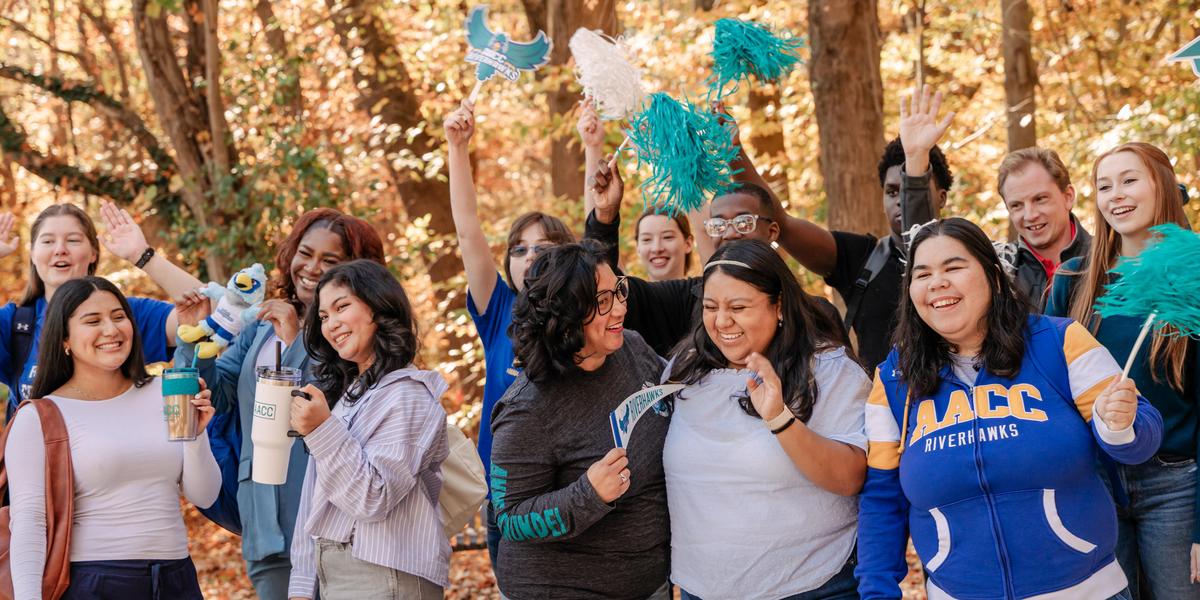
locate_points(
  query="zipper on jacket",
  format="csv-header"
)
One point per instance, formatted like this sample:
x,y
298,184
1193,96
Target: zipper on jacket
x,y
1002,551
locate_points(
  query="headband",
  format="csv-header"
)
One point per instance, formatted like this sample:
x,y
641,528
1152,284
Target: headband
x,y
732,263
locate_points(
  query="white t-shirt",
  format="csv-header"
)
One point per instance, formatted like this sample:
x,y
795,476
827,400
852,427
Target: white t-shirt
x,y
127,483
745,523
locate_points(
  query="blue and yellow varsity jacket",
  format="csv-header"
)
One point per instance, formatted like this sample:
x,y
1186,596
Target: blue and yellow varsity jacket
x,y
998,483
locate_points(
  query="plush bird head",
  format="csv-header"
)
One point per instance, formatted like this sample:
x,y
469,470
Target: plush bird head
x,y
248,286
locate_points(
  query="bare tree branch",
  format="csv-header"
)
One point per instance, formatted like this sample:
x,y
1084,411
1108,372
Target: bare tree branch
x,y
20,27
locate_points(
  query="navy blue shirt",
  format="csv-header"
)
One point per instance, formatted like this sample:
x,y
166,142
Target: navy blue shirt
x,y
149,316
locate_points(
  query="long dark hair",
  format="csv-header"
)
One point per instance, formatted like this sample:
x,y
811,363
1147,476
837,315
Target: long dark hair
x,y
55,366
806,329
395,342
549,314
36,288
923,352
359,240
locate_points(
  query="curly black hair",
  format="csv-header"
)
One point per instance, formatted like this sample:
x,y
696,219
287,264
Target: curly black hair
x,y
805,328
559,298
923,352
395,341
893,156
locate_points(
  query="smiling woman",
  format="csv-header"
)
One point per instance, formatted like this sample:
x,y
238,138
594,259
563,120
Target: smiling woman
x,y
1136,189
573,510
320,239
127,536
771,423
979,390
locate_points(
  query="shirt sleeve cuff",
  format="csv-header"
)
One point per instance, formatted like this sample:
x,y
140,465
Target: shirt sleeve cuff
x,y
593,497
1108,436
301,586
326,437
917,181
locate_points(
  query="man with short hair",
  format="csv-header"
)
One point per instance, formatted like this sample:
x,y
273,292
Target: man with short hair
x,y
868,271
1037,191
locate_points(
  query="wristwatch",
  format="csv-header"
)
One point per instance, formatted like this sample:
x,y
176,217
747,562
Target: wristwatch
x,y
145,258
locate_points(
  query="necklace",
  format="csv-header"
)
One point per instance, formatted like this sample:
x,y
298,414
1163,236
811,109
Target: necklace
x,y
81,394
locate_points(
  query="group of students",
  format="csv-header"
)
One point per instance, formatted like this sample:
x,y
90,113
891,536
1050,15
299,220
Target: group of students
x,y
358,514
978,410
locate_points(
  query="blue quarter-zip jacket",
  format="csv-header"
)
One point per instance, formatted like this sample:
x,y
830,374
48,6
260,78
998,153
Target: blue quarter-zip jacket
x,y
997,483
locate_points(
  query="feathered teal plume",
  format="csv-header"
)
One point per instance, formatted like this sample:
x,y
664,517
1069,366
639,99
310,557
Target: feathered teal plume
x,y
1163,281
688,150
744,48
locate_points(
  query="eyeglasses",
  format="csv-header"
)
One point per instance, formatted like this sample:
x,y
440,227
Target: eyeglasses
x,y
606,299
743,224
521,250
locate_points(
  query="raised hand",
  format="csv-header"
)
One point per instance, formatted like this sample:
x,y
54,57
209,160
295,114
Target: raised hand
x,y
9,242
919,128
123,237
589,125
609,476
1117,404
718,108
607,188
767,396
460,125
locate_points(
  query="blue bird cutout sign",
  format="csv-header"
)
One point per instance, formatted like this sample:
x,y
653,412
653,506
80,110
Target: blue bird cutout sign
x,y
1189,52
494,52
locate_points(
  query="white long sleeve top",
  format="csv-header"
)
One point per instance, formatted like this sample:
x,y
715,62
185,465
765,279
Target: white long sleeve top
x,y
127,483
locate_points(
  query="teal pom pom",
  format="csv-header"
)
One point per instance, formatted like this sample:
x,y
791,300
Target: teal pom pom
x,y
742,48
688,150
1162,279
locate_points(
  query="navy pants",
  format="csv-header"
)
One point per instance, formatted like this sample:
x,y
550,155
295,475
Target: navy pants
x,y
134,580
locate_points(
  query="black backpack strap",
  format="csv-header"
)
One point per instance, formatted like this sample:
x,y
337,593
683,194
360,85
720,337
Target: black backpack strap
x,y
20,345
870,269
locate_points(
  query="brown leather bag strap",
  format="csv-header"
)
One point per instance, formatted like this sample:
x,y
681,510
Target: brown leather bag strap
x,y
60,493
60,499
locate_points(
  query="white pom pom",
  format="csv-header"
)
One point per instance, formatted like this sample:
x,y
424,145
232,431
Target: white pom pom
x,y
607,76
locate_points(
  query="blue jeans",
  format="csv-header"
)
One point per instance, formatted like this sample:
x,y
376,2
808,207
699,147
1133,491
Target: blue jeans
x,y
843,586
1154,533
270,576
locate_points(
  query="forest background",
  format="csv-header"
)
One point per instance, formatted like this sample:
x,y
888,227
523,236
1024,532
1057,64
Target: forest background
x,y
216,122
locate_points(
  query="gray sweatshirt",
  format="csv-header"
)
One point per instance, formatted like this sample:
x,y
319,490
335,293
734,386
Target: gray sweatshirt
x,y
559,539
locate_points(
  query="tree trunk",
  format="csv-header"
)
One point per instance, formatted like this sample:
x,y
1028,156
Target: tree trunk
x,y
1020,75
289,91
560,19
386,92
766,138
848,94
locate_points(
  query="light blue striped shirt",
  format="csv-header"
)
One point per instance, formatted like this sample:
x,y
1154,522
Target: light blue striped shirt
x,y
374,479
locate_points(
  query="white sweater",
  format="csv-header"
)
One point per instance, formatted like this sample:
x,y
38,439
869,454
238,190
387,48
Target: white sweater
x,y
127,482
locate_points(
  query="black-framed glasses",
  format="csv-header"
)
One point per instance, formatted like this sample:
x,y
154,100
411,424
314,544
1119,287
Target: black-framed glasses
x,y
521,249
743,224
606,299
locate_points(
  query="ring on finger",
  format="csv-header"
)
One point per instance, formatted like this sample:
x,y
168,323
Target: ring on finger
x,y
624,477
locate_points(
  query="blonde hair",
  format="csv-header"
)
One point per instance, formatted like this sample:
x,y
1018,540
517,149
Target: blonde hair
x,y
1167,353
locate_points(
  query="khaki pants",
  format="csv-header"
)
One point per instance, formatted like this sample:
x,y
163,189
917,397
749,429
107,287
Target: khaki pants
x,y
340,576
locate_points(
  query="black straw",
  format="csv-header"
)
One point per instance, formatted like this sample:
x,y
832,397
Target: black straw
x,y
278,355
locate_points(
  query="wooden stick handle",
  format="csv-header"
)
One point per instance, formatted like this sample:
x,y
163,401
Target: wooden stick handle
x,y
1137,345
612,163
475,93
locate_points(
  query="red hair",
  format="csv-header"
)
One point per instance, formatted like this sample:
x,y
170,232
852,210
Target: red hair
x,y
359,240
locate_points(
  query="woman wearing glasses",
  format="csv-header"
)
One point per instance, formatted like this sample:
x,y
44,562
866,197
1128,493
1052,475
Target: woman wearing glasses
x,y
489,297
579,518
